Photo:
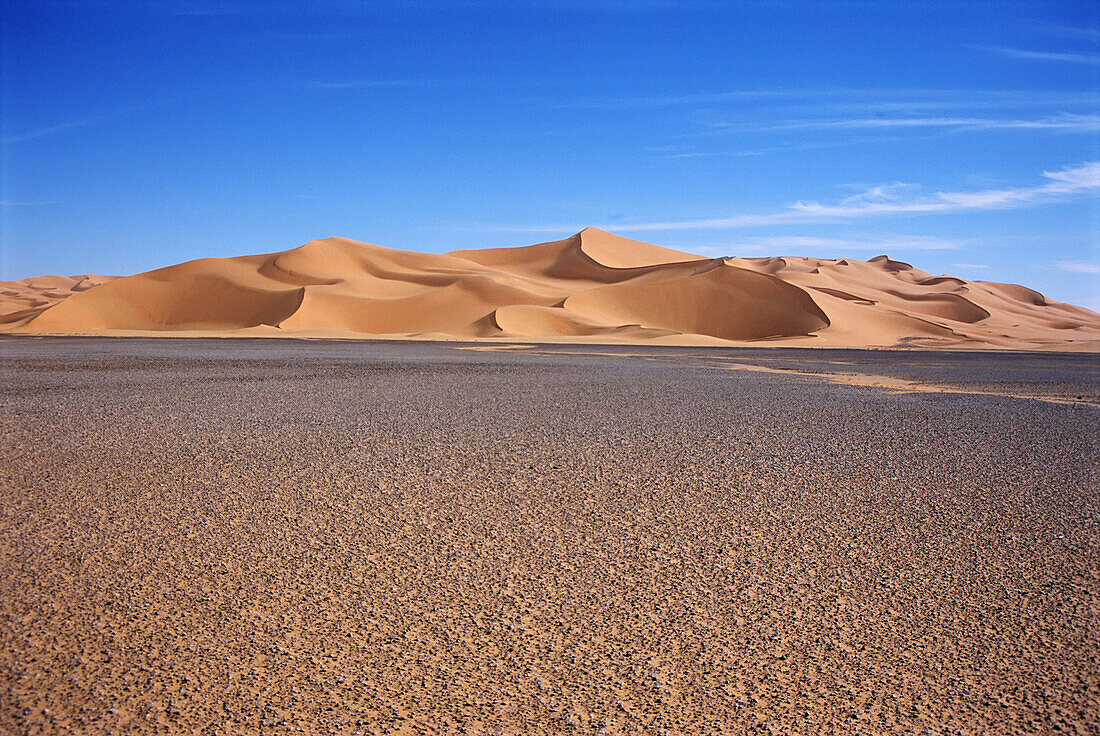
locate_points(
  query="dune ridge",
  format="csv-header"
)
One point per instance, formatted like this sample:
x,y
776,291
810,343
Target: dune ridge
x,y
25,299
591,287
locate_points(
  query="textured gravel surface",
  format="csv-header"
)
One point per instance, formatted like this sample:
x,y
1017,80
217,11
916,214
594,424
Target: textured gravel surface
x,y
235,536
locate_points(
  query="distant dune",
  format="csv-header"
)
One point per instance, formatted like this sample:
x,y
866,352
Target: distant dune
x,y
591,287
23,300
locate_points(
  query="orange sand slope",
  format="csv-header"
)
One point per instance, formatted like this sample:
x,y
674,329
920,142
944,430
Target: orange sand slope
x,y
23,300
592,287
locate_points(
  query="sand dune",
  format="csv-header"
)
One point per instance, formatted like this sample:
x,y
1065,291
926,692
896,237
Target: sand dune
x,y
22,300
880,300
593,286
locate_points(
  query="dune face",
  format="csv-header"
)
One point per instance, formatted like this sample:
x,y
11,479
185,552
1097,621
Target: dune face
x,y
593,286
883,302
722,301
20,301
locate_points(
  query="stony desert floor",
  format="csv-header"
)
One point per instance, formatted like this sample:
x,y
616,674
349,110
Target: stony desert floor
x,y
248,536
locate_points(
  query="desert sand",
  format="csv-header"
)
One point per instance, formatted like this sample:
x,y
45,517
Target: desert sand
x,y
288,536
23,300
591,287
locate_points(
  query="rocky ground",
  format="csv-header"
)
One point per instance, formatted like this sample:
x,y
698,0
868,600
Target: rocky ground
x,y
321,537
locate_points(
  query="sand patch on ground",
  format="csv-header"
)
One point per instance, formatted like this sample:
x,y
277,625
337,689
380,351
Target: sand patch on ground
x,y
901,385
891,383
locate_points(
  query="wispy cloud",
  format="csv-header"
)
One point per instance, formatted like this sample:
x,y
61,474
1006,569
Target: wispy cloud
x,y
873,113
876,243
770,95
359,8
50,129
699,98
1092,33
305,36
846,97
1078,266
1061,184
109,115
896,199
207,8
363,84
672,155
104,116
1073,57
1093,304
1066,122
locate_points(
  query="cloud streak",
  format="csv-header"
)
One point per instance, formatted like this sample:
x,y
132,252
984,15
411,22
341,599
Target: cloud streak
x,y
17,203
846,97
1061,184
49,130
1067,122
868,243
887,200
102,117
356,8
363,84
1075,58
1092,34
1078,266
874,113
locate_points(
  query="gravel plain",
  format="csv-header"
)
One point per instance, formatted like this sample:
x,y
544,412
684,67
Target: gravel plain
x,y
282,536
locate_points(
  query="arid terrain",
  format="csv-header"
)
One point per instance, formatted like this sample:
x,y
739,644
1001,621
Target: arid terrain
x,y
25,299
283,536
593,287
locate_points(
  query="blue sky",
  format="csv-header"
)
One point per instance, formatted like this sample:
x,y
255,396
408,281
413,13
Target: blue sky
x,y
962,137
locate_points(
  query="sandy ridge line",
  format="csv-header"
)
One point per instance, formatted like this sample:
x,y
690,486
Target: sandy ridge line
x,y
894,385
592,287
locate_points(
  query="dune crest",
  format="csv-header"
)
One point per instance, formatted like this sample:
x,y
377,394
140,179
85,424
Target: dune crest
x,y
594,286
22,300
